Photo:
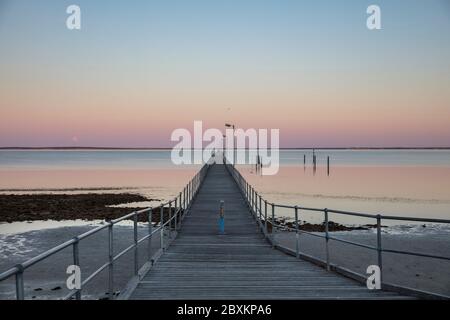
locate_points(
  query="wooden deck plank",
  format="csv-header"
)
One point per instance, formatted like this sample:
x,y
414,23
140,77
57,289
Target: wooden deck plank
x,y
202,264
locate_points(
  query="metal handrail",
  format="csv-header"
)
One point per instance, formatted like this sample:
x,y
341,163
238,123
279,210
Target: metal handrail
x,y
181,204
254,201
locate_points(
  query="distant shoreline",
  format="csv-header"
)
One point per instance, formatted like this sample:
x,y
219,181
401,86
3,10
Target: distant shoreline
x,y
169,148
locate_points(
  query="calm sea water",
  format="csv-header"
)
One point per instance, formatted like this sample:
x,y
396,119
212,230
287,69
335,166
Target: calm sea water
x,y
43,159
403,183
369,157
391,182
71,159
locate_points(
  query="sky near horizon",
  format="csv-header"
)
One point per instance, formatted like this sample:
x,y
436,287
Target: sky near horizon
x,y
137,70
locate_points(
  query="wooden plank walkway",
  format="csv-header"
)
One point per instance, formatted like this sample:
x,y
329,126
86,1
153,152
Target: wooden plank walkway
x,y
201,264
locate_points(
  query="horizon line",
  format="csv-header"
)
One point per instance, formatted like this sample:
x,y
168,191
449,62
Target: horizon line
x,y
169,148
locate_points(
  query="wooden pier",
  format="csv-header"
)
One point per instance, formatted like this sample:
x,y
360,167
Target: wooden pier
x,y
240,264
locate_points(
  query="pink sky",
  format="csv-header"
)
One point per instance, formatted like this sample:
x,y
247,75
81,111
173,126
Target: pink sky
x,y
57,116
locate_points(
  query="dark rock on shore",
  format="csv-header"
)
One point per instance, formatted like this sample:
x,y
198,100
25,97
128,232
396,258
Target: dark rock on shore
x,y
91,206
310,227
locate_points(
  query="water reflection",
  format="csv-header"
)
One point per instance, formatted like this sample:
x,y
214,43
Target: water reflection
x,y
420,191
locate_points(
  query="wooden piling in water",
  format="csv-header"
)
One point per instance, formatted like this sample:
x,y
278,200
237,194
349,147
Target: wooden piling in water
x,y
328,165
314,161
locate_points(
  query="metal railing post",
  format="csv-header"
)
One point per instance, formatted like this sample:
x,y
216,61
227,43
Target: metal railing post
x,y
76,262
327,238
379,248
20,292
260,208
178,214
188,193
182,200
256,205
170,217
253,201
273,224
246,192
136,261
250,198
150,230
297,235
111,261
248,195
265,217
175,208
195,186
161,227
